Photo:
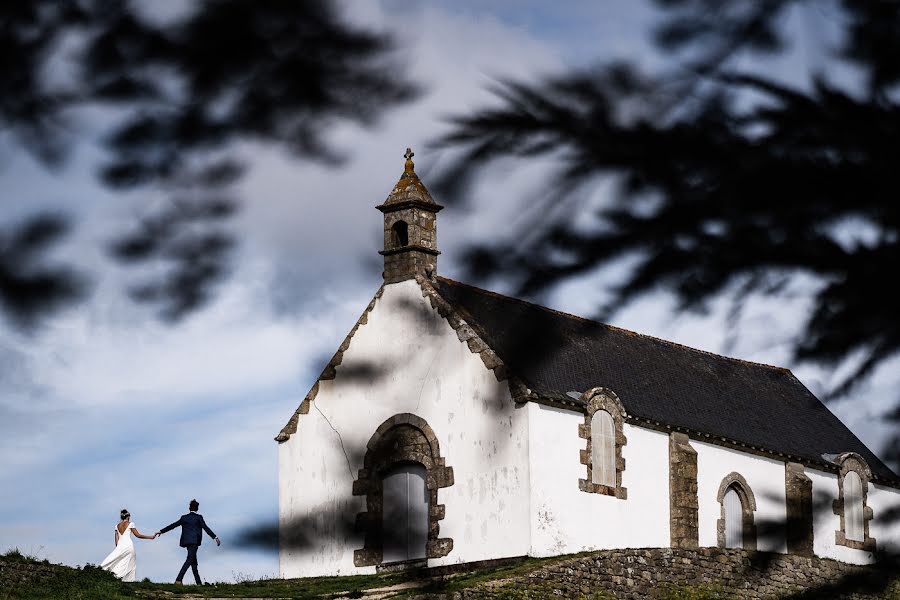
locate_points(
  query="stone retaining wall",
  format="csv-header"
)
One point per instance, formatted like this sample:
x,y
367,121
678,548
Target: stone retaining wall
x,y
667,573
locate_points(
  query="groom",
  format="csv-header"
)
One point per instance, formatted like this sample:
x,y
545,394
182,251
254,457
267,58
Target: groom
x,y
192,528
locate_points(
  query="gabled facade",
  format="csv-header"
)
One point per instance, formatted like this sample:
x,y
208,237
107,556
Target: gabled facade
x,y
456,425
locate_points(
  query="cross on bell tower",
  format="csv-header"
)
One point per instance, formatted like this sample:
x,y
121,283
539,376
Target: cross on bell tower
x,y
410,228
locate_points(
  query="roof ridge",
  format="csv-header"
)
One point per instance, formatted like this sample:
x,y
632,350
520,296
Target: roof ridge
x,y
612,327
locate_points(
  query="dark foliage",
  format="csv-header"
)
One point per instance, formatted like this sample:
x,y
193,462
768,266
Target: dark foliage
x,y
185,89
30,105
278,71
727,182
29,286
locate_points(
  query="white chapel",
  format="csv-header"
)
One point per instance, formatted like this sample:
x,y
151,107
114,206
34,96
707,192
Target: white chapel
x,y
456,425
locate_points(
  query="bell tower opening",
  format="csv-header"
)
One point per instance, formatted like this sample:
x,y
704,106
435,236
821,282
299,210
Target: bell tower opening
x,y
410,228
399,234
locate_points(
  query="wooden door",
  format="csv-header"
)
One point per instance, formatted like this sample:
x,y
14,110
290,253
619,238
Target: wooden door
x,y
404,514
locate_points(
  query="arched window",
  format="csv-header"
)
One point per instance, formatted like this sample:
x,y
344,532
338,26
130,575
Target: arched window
x,y
853,507
735,527
851,504
603,433
734,519
603,449
399,234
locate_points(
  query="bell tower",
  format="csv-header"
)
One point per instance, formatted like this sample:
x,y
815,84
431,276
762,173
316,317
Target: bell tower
x,y
410,228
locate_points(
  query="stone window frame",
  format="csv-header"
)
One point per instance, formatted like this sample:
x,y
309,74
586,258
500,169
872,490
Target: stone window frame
x,y
738,483
369,484
600,398
851,461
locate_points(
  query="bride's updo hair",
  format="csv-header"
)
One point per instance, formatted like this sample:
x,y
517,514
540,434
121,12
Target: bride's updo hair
x,y
124,514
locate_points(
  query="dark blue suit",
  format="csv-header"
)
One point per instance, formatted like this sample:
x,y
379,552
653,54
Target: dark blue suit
x,y
192,528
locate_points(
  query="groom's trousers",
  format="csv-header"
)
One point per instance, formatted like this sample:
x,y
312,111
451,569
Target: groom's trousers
x,y
190,561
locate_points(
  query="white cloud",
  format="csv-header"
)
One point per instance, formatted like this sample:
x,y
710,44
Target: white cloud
x,y
113,408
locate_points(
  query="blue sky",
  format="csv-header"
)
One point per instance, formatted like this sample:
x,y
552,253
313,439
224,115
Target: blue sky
x,y
106,407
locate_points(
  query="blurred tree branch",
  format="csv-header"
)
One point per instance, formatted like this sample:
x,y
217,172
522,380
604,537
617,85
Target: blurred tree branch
x,y
725,179
185,89
28,286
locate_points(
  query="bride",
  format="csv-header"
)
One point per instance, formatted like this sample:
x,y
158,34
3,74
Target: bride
x,y
121,561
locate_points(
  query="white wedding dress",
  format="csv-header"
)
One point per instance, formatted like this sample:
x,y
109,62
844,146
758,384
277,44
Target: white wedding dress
x,y
122,561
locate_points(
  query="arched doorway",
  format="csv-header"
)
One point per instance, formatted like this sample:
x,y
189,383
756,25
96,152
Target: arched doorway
x,y
404,517
402,472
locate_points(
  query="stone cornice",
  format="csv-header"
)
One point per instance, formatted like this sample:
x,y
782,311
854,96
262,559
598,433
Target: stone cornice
x,y
409,248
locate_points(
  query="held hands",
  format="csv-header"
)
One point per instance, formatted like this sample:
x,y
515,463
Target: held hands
x,y
157,534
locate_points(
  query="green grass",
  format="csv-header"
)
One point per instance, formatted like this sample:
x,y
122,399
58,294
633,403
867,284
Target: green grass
x,y
467,581
91,582
64,582
301,589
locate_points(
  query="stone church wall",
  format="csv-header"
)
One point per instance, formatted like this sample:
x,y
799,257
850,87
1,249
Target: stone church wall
x,y
405,358
565,519
885,526
765,479
825,522
506,481
885,529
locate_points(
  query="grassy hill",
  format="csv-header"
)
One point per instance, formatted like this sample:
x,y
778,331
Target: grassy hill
x,y
585,576
26,578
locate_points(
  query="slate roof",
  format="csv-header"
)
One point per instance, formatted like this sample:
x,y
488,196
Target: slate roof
x,y
750,403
